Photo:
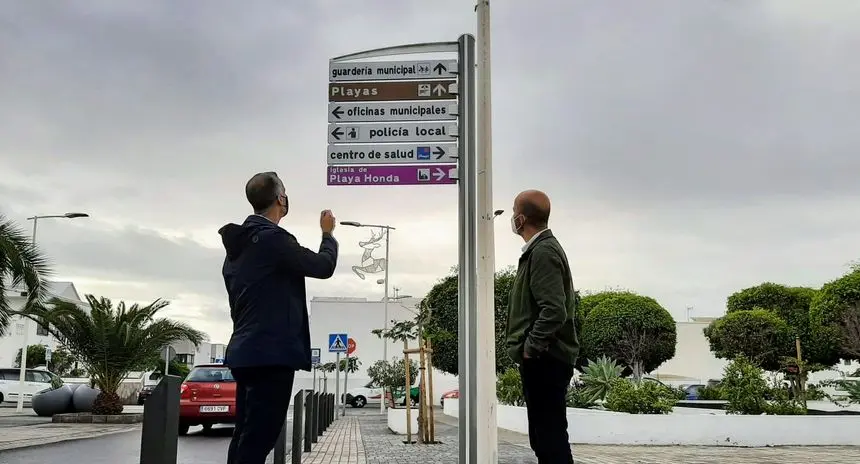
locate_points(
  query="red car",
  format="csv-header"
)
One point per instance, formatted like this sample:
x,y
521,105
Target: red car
x,y
453,394
207,397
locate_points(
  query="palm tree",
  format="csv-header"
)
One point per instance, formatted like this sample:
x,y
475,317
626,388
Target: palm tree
x,y
20,263
113,341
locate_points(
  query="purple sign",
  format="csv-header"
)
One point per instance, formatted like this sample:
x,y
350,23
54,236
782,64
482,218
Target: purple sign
x,y
391,175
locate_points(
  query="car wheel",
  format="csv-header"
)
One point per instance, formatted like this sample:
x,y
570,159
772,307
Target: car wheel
x,y
183,429
413,402
2,398
140,401
359,402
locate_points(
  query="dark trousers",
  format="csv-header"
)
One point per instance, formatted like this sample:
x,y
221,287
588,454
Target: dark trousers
x,y
545,382
262,400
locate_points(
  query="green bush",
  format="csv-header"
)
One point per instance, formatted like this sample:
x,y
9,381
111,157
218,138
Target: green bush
x,y
509,388
598,376
759,335
711,393
815,393
642,398
632,329
744,387
578,396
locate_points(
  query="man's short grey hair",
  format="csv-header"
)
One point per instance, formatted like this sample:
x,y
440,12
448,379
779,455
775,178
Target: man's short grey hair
x,y
263,190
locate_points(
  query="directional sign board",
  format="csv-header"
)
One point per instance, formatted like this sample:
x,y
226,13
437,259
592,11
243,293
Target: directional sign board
x,y
392,111
315,355
391,70
392,91
433,174
337,343
392,132
401,153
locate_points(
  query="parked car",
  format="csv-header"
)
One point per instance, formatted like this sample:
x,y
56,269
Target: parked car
x,y
414,396
150,381
35,381
451,394
207,397
692,391
362,396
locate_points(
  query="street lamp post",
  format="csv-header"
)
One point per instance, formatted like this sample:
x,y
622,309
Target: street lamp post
x,y
22,372
388,230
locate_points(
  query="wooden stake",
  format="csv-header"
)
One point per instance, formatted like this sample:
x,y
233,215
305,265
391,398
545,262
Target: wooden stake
x,y
408,396
422,393
432,418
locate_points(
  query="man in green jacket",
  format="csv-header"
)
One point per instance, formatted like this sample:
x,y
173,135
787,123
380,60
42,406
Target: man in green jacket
x,y
541,335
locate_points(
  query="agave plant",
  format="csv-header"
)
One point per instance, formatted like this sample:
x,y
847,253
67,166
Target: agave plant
x,y
112,341
598,377
20,263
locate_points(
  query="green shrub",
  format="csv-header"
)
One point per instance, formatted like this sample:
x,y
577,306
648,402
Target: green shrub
x,y
815,393
711,393
598,376
578,396
509,388
632,329
642,398
744,387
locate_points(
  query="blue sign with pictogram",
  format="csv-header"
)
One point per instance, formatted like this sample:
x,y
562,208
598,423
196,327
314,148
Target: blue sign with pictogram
x,y
337,343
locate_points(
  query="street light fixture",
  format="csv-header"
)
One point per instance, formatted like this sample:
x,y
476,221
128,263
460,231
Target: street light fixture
x,y
22,371
388,230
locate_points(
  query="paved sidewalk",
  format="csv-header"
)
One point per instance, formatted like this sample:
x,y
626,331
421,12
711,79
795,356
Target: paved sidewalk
x,y
342,443
23,436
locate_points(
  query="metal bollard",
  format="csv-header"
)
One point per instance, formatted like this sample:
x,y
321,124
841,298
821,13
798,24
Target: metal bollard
x,y
160,434
316,417
298,413
309,420
333,412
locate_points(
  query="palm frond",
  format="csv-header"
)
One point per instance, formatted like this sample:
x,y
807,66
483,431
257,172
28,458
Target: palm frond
x,y
21,262
113,340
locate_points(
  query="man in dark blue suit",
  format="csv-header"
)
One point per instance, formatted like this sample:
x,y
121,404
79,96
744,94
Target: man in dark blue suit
x,y
264,272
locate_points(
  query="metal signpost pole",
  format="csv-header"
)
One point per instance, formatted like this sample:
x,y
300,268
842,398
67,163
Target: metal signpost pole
x,y
483,331
345,386
467,176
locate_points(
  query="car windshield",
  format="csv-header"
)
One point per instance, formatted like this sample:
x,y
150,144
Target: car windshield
x,y
210,374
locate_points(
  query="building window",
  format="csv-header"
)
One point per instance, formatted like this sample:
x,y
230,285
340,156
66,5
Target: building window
x,y
41,330
187,359
19,329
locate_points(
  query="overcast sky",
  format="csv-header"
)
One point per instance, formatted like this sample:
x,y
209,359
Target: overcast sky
x,y
690,148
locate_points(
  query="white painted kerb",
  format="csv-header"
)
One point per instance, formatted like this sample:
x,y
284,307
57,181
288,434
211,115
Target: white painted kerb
x,y
610,428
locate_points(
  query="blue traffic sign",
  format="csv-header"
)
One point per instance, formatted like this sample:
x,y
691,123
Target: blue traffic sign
x,y
315,355
337,343
423,153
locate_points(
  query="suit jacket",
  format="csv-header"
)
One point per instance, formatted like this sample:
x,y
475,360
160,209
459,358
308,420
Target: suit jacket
x,y
264,272
542,304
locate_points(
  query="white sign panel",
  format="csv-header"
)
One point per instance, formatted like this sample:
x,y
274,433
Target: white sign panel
x,y
401,153
392,70
392,111
392,132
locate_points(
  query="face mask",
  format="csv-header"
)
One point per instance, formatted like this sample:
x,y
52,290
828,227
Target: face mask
x,y
286,206
514,227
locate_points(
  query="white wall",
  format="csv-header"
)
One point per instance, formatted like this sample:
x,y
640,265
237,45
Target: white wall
x,y
693,358
358,317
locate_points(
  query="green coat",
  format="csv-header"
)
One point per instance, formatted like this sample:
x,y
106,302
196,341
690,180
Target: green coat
x,y
542,304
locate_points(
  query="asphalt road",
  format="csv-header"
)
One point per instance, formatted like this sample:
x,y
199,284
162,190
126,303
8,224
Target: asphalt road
x,y
124,448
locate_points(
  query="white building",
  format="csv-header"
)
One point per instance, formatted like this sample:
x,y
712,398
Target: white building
x,y
693,362
206,353
358,317
36,335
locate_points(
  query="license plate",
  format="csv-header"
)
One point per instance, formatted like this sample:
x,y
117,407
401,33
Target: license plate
x,y
214,408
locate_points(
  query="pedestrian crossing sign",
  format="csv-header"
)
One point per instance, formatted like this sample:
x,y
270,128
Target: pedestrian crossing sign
x,y
337,343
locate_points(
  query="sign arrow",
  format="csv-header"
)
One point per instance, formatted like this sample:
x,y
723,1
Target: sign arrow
x,y
439,174
337,132
439,152
337,112
439,89
440,68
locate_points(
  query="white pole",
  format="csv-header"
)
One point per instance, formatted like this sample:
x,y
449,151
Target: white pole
x,y
22,372
166,360
382,404
345,382
486,439
337,379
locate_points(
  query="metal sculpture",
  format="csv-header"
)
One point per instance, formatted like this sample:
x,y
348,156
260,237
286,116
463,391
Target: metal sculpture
x,y
369,264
